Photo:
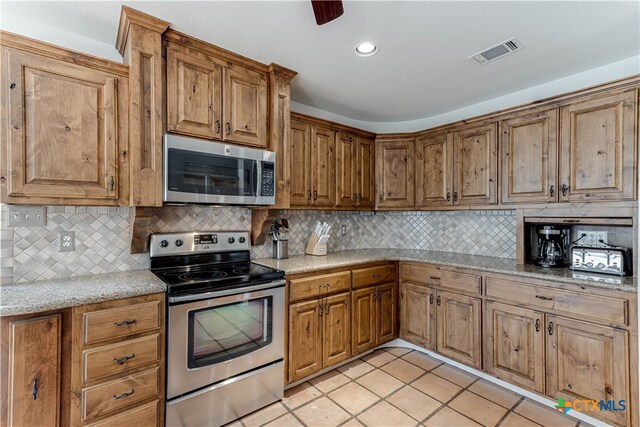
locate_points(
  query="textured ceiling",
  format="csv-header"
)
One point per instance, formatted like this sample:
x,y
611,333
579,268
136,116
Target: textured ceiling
x,y
421,69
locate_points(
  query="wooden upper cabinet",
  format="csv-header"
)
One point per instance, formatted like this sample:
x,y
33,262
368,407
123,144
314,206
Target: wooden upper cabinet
x,y
194,95
64,141
300,154
394,171
476,167
33,390
245,107
529,156
365,174
418,315
598,148
459,328
346,170
322,166
587,362
434,170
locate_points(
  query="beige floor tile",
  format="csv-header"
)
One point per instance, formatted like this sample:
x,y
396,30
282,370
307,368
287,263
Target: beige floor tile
x,y
380,383
398,351
447,417
478,408
285,421
322,412
413,402
403,370
356,369
436,387
455,375
495,393
422,360
299,395
264,415
385,415
378,358
543,414
353,397
329,381
515,420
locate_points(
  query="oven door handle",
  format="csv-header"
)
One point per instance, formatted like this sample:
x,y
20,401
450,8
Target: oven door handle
x,y
223,293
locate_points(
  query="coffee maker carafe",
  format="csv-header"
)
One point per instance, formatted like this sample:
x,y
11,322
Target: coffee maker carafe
x,y
553,246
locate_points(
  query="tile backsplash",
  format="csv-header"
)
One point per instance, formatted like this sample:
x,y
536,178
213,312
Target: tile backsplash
x,y
102,235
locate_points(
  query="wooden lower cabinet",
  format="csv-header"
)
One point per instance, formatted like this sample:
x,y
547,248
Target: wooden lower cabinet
x,y
336,329
514,345
386,313
586,361
374,316
418,315
459,328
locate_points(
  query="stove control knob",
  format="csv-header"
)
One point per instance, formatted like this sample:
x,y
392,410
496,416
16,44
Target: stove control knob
x,y
164,243
231,240
241,239
179,242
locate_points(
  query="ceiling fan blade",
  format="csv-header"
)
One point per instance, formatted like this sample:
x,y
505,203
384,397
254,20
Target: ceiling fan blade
x,y
327,10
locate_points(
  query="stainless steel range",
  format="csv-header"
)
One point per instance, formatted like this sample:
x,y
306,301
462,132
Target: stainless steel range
x,y
225,327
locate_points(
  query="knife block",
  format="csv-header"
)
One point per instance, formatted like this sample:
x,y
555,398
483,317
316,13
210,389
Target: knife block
x,y
314,247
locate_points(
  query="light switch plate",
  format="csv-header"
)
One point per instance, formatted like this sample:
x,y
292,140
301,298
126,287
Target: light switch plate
x,y
67,240
26,216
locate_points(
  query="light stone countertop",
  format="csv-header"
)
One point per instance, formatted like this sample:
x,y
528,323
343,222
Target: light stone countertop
x,y
309,263
44,295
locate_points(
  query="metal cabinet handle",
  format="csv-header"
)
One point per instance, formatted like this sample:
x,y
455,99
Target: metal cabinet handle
x,y
321,308
542,297
430,298
315,194
326,309
359,198
377,276
228,128
125,322
122,360
550,328
438,300
565,189
552,191
448,195
217,126
34,389
375,295
309,195
112,183
123,395
537,325
455,196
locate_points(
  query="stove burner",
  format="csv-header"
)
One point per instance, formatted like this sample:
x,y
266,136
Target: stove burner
x,y
203,275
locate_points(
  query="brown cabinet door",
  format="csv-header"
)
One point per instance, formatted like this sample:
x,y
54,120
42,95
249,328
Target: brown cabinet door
x,y
300,189
336,334
514,344
418,315
434,170
33,393
598,149
63,137
322,166
194,95
346,170
476,168
459,328
365,162
386,313
529,156
305,339
364,320
394,171
245,107
587,362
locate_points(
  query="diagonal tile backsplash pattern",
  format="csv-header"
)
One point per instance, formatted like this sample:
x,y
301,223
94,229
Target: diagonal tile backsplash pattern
x,y
102,235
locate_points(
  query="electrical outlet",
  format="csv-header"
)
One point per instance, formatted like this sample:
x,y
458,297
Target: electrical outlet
x,y
67,241
26,216
592,238
343,230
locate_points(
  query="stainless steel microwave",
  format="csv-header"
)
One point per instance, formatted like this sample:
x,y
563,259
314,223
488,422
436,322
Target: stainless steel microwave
x,y
207,172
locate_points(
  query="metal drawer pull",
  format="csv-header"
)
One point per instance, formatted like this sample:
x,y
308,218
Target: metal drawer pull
x,y
122,360
550,328
430,298
537,325
542,297
435,277
34,389
438,300
125,322
123,395
377,276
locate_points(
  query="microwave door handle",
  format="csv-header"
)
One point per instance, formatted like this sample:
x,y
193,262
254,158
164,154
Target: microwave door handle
x,y
258,181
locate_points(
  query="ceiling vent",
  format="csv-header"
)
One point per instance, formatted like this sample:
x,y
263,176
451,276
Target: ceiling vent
x,y
497,51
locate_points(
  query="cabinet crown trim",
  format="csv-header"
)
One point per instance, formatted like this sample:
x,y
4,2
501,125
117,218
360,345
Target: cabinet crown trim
x,y
130,16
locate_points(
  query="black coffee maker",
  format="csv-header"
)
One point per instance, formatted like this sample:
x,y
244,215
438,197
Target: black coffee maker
x,y
553,246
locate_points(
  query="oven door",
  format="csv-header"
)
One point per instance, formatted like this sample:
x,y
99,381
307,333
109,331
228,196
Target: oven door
x,y
217,338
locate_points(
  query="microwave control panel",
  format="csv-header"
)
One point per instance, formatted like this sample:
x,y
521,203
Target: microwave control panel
x,y
268,180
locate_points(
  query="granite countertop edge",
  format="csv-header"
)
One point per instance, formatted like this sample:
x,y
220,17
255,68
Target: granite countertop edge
x,y
48,295
299,264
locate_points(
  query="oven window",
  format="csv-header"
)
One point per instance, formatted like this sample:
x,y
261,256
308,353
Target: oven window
x,y
200,173
228,331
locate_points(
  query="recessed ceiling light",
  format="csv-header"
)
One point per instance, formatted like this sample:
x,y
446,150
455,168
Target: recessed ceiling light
x,y
366,49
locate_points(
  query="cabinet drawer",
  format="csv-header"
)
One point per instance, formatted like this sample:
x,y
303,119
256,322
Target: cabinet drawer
x,y
114,395
113,323
141,416
433,276
581,304
364,277
314,286
117,358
